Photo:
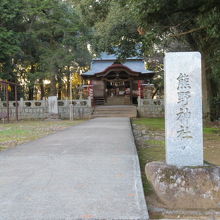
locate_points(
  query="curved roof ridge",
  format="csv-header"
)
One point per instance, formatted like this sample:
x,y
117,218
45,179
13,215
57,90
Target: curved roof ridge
x,y
106,56
135,64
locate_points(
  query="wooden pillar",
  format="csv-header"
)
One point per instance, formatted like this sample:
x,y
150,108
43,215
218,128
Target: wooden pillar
x,y
16,102
91,91
7,101
105,93
131,91
139,92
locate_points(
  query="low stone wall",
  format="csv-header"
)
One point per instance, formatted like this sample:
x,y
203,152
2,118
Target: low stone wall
x,y
26,109
151,108
81,109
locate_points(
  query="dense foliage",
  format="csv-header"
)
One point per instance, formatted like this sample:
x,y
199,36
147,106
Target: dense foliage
x,y
157,26
41,40
48,39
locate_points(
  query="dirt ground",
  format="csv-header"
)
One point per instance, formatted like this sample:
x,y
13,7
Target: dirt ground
x,y
14,133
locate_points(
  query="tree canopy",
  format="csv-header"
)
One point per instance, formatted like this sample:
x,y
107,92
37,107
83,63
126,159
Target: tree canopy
x,y
152,27
41,40
44,40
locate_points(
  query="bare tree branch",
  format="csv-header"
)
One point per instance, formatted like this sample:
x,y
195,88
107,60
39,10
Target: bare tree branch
x,y
187,32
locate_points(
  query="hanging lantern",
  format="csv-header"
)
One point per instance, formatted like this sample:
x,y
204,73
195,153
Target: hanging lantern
x,y
9,88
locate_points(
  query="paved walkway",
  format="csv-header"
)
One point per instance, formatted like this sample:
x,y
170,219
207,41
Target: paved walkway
x,y
89,171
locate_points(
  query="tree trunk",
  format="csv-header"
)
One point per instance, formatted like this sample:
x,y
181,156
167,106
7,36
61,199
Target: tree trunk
x,y
206,89
30,92
68,82
206,86
32,83
60,85
53,82
42,90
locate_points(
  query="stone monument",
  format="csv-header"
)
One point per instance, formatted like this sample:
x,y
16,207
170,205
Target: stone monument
x,y
183,182
52,107
183,109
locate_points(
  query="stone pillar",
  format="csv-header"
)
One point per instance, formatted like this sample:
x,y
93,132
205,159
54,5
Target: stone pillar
x,y
21,108
44,102
139,93
91,92
71,110
53,107
183,109
21,104
148,91
89,101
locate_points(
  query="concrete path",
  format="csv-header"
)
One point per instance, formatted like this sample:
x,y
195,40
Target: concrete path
x,y
90,171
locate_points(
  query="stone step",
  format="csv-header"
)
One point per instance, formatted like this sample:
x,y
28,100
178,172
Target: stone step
x,y
115,111
117,107
117,100
114,116
99,100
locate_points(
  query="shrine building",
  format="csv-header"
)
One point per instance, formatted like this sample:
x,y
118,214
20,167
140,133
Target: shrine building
x,y
116,83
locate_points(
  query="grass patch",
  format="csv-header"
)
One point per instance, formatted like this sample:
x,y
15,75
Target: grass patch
x,y
147,155
159,124
15,133
156,143
151,123
211,130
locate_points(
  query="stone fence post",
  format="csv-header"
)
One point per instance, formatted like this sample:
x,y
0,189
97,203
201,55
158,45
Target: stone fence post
x,y
53,106
139,101
21,105
89,101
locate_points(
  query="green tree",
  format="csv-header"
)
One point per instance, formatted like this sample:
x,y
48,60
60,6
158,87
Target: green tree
x,y
152,26
41,39
195,22
10,20
60,41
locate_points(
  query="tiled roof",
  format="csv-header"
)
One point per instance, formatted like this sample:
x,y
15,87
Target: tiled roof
x,y
100,64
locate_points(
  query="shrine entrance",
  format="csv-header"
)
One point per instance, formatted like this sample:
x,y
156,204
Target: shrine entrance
x,y
118,87
114,83
118,92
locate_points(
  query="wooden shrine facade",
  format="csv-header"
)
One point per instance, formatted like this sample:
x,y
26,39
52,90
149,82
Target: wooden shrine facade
x,y
115,83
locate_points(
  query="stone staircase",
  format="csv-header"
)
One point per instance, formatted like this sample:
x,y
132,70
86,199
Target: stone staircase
x,y
118,100
99,100
129,111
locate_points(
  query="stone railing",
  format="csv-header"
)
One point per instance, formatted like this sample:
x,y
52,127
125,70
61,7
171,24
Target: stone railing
x,y
74,109
80,108
26,109
76,103
22,104
151,108
31,109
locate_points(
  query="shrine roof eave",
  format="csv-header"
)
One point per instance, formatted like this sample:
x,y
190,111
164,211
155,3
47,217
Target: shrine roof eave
x,y
140,76
98,70
101,65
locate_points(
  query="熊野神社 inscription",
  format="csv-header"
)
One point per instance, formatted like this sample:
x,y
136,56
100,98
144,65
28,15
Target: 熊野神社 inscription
x,y
183,109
